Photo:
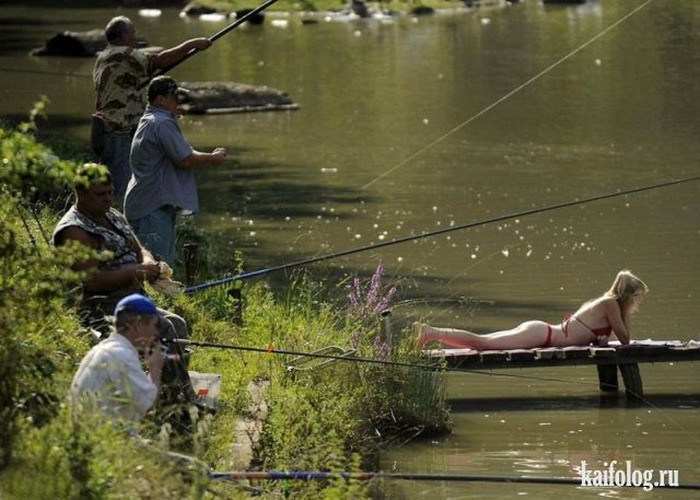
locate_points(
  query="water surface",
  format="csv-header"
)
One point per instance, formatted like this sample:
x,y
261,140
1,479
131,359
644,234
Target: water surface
x,y
418,125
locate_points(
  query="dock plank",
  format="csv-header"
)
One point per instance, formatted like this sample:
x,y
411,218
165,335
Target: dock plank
x,y
609,359
614,353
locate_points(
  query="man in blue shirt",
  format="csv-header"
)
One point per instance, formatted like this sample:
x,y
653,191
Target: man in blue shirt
x,y
162,182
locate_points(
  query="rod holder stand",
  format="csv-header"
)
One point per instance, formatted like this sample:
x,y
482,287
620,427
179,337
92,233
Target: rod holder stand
x,y
388,333
190,253
237,299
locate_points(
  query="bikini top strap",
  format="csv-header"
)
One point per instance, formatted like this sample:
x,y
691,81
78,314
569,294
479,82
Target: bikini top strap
x,y
570,318
584,324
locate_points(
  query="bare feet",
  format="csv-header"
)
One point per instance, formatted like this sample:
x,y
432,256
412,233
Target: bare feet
x,y
418,330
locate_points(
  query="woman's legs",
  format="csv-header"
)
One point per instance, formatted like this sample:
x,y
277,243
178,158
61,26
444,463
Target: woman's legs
x,y
450,337
525,336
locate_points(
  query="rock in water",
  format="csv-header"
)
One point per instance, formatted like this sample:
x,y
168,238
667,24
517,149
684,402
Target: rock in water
x,y
230,97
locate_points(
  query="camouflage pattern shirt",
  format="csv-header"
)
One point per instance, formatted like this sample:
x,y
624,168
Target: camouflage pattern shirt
x,y
117,74
117,239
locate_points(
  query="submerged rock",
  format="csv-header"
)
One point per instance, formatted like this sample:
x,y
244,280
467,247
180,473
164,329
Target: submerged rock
x,y
195,10
201,11
230,97
77,44
256,18
73,43
422,10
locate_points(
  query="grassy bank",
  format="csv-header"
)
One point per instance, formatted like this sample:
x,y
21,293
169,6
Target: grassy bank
x,y
332,418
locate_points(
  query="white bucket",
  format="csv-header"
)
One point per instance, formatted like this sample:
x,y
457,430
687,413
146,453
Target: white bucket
x,y
206,387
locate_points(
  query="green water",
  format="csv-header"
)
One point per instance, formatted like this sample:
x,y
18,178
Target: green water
x,y
419,125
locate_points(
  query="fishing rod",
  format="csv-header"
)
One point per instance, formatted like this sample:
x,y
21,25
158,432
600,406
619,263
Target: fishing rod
x,y
212,39
417,476
26,227
39,225
427,234
272,350
430,367
367,476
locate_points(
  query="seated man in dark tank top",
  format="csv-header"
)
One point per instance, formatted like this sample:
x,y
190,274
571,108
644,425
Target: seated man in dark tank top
x,y
92,222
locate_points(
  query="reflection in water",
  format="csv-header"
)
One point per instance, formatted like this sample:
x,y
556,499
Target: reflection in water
x,y
621,113
571,403
547,428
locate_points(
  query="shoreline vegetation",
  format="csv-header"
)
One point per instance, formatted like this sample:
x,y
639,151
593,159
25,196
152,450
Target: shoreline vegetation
x,y
335,417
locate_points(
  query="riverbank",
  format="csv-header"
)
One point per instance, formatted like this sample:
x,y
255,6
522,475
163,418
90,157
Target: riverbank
x,y
332,417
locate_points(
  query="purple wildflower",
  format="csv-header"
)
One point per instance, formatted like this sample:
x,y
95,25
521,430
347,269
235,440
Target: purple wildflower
x,y
355,339
365,302
384,302
380,347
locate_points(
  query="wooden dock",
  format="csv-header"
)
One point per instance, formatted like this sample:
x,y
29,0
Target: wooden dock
x,y
609,359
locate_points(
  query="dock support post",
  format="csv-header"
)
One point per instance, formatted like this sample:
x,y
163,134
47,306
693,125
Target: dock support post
x,y
237,316
191,256
607,377
633,381
388,334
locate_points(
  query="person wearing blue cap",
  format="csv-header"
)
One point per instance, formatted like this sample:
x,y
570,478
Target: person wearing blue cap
x,y
110,379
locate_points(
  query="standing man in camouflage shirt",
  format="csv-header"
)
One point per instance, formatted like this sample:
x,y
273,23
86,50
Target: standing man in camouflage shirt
x,y
119,71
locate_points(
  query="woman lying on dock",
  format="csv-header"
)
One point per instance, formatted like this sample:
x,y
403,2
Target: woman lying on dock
x,y
593,322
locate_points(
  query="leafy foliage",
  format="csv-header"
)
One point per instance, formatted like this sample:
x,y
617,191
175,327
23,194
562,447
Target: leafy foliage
x,y
30,169
39,342
87,459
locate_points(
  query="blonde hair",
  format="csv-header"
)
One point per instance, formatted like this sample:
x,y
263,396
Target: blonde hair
x,y
624,287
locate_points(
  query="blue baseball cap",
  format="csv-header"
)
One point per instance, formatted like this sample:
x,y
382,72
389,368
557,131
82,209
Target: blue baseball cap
x,y
135,304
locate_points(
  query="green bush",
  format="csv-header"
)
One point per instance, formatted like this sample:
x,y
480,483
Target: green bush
x,y
39,344
88,459
30,170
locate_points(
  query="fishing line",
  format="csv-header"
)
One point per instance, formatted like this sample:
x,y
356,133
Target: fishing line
x,y
457,303
26,227
162,71
404,239
452,299
39,225
505,97
42,72
667,417
416,366
482,260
